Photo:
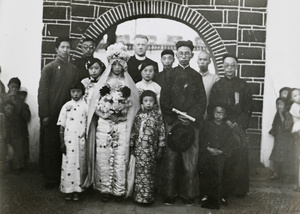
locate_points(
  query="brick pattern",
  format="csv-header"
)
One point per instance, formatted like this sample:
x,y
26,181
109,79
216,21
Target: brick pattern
x,y
235,26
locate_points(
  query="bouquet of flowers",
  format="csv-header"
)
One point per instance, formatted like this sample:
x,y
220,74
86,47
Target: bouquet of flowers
x,y
114,99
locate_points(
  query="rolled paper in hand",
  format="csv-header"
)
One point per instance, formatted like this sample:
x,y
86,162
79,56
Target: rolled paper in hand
x,y
183,114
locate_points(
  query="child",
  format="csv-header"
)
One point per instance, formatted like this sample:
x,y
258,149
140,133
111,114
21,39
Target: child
x,y
217,139
283,140
295,112
26,115
95,67
147,72
146,143
284,92
13,120
167,60
72,122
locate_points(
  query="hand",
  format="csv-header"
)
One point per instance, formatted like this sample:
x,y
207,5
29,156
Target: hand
x,y
82,135
214,151
63,148
183,120
230,124
45,121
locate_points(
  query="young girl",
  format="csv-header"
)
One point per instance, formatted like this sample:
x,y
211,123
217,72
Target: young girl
x,y
283,140
72,122
295,112
95,67
147,72
146,143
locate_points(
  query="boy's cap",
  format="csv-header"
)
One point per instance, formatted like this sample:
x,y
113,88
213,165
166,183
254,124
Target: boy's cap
x,y
144,65
167,51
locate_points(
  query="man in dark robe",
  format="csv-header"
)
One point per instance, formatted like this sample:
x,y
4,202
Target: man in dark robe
x,y
236,95
167,60
140,47
53,93
88,49
185,92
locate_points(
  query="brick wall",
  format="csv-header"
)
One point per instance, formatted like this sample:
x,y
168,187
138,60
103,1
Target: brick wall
x,y
234,26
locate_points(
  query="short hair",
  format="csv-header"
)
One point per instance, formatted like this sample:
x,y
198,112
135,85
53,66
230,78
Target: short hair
x,y
146,64
148,93
92,61
78,85
187,43
285,89
15,80
284,100
203,51
167,51
89,40
59,40
230,55
141,36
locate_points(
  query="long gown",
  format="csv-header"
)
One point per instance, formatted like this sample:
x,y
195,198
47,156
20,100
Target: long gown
x,y
73,117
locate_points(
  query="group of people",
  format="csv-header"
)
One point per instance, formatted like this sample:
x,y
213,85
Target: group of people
x,y
128,130
14,136
285,155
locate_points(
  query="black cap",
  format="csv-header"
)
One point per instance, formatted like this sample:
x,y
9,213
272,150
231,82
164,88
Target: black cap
x,y
167,51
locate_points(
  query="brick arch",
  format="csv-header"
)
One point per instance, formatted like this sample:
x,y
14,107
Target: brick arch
x,y
159,9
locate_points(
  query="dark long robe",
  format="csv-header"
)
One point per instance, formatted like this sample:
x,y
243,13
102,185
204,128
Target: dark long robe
x,y
80,64
133,64
186,93
53,93
236,96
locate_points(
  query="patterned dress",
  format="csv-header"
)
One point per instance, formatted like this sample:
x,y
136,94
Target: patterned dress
x,y
147,135
73,117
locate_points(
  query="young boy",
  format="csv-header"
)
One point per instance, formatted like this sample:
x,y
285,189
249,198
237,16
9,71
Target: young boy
x,y
217,140
167,60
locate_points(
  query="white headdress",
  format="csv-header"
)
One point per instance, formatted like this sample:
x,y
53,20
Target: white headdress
x,y
118,52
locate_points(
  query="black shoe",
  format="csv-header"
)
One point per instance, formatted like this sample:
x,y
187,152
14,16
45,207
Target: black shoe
x,y
170,200
210,204
188,201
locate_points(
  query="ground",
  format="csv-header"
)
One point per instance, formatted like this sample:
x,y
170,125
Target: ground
x,y
25,193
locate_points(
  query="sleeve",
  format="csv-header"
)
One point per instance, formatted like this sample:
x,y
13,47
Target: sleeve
x,y
165,101
134,132
245,116
272,131
44,93
161,130
26,114
62,118
198,109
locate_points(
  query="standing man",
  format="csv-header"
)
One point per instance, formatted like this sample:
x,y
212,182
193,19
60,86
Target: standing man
x,y
88,49
185,92
167,60
236,95
53,93
208,79
140,47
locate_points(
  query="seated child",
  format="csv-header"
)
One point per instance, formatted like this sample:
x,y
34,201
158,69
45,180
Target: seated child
x,y
95,67
147,73
295,112
146,143
283,141
217,139
72,122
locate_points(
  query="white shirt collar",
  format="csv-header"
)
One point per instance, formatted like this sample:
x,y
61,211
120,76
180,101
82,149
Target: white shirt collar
x,y
141,58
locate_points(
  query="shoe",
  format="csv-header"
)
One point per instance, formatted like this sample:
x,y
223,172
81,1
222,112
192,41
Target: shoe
x,y
75,196
188,201
68,197
223,201
210,204
170,200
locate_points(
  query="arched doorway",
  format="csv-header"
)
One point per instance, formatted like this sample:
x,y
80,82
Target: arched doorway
x,y
158,9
